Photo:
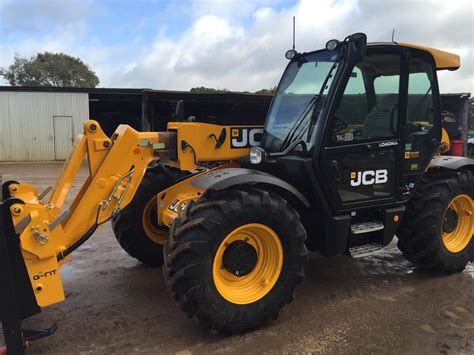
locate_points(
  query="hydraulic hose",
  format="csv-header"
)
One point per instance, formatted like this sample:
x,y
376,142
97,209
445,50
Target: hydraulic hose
x,y
85,237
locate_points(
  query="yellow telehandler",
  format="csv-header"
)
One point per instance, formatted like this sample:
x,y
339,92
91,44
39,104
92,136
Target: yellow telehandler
x,y
349,156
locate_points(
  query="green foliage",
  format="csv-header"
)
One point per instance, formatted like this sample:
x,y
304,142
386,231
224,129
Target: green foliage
x,y
50,69
270,91
205,89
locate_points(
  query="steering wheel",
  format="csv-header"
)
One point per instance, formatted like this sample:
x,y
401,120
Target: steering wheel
x,y
413,127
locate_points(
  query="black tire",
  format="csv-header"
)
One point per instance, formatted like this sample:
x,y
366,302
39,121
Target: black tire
x,y
420,237
128,223
470,150
195,238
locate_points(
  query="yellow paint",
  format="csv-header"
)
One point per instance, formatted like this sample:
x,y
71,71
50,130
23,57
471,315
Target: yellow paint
x,y
443,60
40,260
69,171
445,145
40,244
154,232
261,280
116,168
460,237
180,195
201,146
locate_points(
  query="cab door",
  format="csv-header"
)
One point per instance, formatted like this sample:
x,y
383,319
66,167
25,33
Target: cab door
x,y
422,128
362,145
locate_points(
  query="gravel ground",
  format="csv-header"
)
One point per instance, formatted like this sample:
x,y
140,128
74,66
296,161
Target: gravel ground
x,y
377,304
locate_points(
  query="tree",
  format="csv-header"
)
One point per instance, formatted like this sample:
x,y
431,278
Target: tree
x,y
205,89
50,69
270,91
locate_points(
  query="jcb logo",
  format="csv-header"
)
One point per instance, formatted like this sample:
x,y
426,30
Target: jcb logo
x,y
245,137
369,177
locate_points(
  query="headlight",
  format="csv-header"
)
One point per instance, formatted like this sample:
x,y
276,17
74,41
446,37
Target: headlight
x,y
256,155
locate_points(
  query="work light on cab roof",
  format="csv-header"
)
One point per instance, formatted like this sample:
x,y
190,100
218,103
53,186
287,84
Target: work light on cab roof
x,y
332,44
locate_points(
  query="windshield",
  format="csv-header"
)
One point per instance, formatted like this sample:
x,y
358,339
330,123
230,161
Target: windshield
x,y
299,99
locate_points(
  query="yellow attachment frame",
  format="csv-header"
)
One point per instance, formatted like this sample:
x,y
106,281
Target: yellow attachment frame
x,y
47,229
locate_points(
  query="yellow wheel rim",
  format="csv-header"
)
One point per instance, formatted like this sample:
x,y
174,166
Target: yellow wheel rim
x,y
256,284
457,223
150,223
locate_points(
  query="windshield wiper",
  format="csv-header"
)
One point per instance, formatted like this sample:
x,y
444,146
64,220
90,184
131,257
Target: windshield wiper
x,y
309,106
312,105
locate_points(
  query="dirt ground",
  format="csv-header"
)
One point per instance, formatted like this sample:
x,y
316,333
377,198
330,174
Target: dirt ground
x,y
377,304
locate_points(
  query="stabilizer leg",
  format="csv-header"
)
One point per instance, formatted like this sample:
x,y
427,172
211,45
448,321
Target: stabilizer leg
x,y
17,300
13,336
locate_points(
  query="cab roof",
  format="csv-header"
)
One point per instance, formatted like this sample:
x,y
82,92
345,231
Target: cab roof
x,y
443,60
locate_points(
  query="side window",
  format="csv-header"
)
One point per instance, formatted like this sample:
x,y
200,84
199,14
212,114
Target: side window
x,y
353,109
419,133
369,106
420,99
382,120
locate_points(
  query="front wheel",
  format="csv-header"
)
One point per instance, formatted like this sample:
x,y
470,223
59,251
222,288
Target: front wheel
x,y
235,258
436,232
136,226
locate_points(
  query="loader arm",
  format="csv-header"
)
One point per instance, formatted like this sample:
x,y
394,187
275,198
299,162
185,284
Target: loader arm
x,y
48,231
36,236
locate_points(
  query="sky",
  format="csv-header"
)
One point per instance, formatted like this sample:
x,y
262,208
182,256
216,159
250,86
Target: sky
x,y
237,45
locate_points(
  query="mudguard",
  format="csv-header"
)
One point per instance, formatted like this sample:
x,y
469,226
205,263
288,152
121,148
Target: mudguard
x,y
228,177
452,163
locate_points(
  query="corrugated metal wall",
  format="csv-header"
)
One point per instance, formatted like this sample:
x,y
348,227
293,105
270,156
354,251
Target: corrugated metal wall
x,y
27,124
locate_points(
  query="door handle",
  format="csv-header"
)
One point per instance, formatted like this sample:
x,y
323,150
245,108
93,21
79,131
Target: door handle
x,y
392,119
336,170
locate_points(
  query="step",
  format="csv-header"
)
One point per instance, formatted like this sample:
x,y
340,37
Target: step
x,y
365,250
366,227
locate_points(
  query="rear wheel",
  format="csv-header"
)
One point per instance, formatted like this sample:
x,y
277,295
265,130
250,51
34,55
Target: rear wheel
x,y
235,258
436,232
136,226
470,149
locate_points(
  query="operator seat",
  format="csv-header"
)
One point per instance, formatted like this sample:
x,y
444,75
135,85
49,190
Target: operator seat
x,y
377,123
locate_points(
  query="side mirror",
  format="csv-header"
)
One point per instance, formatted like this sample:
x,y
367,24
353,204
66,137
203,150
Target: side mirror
x,y
179,113
356,47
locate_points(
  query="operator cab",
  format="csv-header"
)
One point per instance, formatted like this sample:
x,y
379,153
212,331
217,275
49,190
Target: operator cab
x,y
362,119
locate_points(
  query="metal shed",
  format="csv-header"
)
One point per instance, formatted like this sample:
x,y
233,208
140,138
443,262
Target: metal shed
x,y
40,125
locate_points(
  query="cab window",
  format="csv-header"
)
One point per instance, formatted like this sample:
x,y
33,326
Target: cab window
x,y
368,109
420,114
420,99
